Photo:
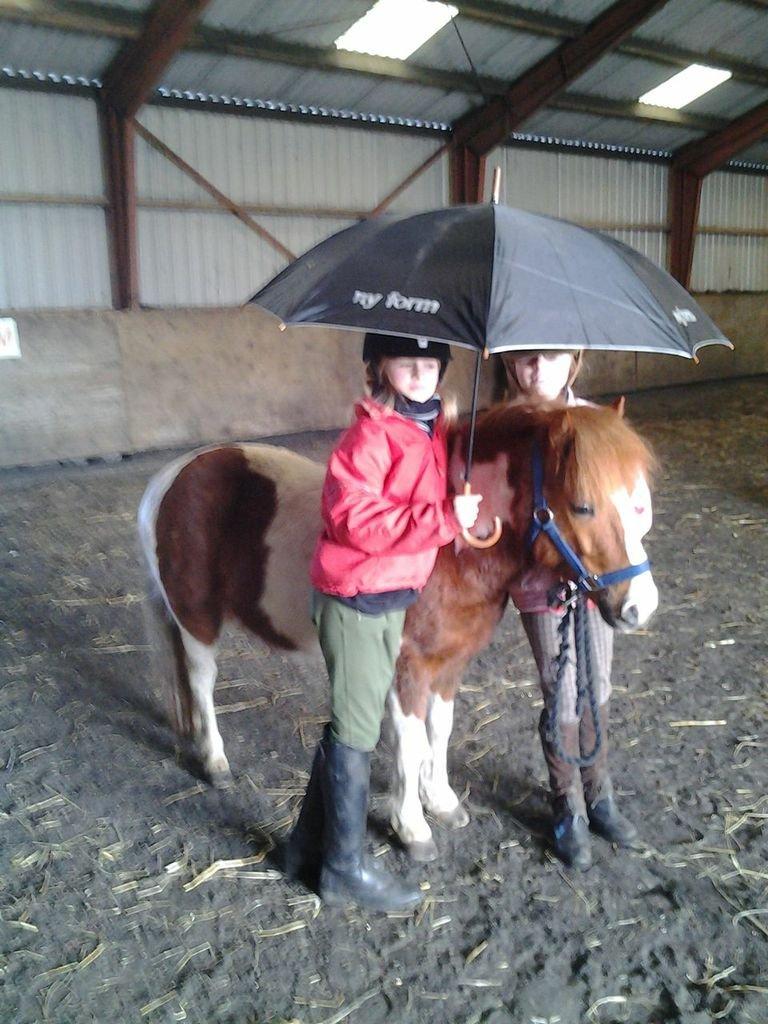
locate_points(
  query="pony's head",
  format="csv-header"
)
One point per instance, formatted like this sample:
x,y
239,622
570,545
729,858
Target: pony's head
x,y
596,470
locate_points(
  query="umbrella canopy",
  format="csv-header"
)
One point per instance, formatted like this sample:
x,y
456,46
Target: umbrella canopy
x,y
491,277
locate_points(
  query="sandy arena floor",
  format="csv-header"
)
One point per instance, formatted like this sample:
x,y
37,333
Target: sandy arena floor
x,y
105,837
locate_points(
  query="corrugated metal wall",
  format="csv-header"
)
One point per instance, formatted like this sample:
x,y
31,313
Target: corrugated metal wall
x,y
731,252
625,199
53,242
738,259
208,257
52,254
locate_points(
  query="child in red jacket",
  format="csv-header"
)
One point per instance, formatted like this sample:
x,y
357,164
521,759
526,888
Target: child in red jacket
x,y
385,514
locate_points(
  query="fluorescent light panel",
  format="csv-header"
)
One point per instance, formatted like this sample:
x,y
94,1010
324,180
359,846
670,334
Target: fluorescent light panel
x,y
396,28
686,86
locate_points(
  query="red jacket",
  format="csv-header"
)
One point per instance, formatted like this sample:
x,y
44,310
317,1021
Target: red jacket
x,y
385,506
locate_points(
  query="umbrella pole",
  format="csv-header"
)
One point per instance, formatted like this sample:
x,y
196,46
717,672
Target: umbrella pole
x,y
476,542
472,419
495,189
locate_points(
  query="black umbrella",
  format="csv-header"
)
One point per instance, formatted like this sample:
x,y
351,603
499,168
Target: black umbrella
x,y
493,279
490,277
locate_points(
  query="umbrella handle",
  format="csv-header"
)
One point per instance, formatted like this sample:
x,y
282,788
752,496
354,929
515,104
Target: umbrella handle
x,y
476,542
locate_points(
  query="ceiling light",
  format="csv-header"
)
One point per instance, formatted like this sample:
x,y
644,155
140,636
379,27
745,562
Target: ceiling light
x,y
686,86
396,28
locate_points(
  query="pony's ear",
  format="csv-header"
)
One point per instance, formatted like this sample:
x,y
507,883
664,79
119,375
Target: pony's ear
x,y
561,430
560,436
618,405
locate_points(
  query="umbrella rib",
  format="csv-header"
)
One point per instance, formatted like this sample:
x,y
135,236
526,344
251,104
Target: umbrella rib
x,y
627,307
571,287
610,347
397,334
685,341
578,288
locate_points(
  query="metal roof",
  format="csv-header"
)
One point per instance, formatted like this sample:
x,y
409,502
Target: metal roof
x,y
414,91
339,90
318,24
728,27
496,52
606,130
620,77
756,154
583,10
141,6
28,48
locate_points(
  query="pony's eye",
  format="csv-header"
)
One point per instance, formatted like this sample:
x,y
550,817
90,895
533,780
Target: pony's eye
x,y
582,510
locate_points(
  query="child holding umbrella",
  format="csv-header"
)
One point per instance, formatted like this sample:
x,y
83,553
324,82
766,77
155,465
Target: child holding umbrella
x,y
385,514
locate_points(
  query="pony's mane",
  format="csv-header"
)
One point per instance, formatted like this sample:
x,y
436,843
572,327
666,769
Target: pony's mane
x,y
595,451
607,453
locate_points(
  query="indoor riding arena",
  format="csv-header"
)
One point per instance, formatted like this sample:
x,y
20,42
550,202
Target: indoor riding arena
x,y
160,163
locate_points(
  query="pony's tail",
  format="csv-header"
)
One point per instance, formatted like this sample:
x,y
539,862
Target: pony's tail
x,y
167,658
162,631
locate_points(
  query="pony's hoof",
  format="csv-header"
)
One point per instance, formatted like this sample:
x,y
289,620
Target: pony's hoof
x,y
220,778
423,852
457,818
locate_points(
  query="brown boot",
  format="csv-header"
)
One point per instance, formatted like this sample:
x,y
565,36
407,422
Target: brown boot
x,y
570,829
605,819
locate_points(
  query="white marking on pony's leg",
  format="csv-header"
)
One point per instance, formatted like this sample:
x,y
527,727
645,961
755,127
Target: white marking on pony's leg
x,y
202,669
409,740
436,793
642,598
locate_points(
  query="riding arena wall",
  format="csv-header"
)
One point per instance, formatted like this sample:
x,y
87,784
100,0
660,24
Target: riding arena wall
x,y
102,384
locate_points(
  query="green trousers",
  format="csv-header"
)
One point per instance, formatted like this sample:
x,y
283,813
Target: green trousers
x,y
360,652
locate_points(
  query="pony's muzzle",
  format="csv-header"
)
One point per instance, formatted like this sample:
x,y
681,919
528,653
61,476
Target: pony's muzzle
x,y
641,601
630,616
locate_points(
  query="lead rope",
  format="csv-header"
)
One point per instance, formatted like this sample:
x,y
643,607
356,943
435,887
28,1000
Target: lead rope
x,y
574,610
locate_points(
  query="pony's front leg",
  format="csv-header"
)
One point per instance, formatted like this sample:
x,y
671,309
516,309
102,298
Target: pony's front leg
x,y
410,748
202,670
437,795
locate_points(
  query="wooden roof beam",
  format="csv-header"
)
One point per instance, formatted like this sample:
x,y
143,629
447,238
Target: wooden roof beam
x,y
702,156
135,71
120,23
522,19
690,165
126,85
603,106
489,125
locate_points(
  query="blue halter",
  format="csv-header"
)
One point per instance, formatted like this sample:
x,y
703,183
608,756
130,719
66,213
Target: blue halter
x,y
543,521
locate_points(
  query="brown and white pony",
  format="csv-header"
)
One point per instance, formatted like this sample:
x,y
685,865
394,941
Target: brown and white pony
x,y
228,532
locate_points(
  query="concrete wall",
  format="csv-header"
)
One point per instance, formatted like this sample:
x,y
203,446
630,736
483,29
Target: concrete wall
x,y
742,317
105,383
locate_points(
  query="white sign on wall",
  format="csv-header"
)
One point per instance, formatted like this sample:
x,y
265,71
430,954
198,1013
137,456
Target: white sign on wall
x,y
9,339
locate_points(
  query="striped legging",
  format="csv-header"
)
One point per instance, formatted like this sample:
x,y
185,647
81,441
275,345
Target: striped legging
x,y
541,630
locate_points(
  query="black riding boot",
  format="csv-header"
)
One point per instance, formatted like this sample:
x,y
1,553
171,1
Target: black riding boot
x,y
570,829
605,819
303,852
346,875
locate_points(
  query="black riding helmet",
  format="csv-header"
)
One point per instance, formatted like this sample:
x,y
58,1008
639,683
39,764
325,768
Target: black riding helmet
x,y
389,346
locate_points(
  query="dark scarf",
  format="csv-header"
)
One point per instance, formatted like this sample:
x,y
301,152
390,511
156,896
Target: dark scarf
x,y
424,414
